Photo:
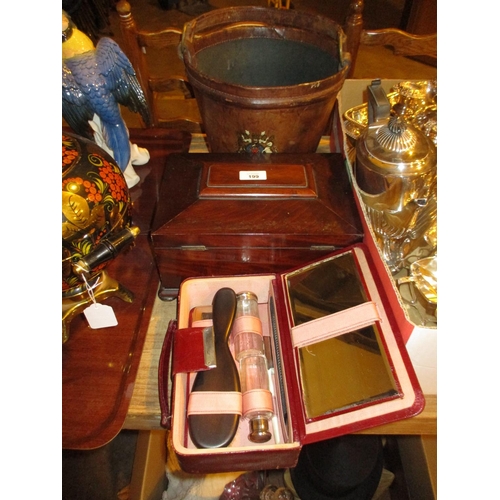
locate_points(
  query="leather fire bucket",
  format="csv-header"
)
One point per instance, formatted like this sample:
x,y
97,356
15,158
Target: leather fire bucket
x,y
265,80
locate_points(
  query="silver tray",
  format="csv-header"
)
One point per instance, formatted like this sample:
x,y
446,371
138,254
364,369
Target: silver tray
x,y
421,98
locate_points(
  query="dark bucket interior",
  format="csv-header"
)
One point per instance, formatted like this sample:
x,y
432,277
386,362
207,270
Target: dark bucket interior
x,y
266,62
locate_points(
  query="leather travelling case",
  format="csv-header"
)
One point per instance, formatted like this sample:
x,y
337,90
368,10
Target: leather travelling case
x,y
337,362
227,214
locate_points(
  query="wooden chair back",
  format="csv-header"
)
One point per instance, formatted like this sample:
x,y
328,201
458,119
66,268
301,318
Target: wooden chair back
x,y
279,4
401,42
171,98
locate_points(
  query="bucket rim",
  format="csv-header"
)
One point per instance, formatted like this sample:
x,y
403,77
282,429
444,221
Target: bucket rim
x,y
234,12
258,16
289,94
245,15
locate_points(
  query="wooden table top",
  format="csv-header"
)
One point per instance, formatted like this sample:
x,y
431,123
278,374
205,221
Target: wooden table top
x,y
99,367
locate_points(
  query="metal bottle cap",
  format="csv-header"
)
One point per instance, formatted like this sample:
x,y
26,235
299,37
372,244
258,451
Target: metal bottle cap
x,y
247,296
259,430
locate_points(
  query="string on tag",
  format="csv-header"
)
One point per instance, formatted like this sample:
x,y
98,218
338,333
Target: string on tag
x,y
98,315
89,289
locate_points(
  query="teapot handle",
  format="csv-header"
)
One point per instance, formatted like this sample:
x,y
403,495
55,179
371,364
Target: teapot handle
x,y
379,107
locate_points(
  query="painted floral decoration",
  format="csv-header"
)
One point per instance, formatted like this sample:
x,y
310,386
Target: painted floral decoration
x,y
255,143
95,201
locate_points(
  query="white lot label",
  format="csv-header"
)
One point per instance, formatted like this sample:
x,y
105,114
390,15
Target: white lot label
x,y
100,316
258,175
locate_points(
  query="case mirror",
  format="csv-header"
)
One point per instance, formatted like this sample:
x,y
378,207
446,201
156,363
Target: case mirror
x,y
349,370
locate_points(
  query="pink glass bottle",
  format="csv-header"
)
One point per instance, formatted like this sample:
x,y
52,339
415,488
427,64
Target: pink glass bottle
x,y
249,352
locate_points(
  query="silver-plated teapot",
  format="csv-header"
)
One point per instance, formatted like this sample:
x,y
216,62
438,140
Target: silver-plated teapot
x,y
396,173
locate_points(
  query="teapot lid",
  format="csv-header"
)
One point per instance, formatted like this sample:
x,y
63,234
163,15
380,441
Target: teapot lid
x,y
391,145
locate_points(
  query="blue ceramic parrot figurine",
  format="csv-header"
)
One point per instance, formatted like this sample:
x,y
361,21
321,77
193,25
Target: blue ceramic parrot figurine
x,y
95,81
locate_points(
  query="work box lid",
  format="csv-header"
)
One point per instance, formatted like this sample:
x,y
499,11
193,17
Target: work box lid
x,y
235,200
340,362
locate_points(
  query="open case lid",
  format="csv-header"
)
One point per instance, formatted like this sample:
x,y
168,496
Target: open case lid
x,y
346,367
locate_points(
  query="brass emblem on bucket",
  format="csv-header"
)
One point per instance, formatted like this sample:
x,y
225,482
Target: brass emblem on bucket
x,y
255,143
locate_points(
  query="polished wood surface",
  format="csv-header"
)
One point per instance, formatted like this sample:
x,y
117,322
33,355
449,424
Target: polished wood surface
x,y
212,223
99,366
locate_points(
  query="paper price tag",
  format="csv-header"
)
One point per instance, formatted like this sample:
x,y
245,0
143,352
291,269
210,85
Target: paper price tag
x,y
256,175
100,316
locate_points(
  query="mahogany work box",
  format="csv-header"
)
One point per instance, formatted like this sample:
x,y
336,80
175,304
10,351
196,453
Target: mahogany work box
x,y
335,360
230,214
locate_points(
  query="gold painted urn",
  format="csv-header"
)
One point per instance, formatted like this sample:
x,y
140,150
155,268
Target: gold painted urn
x,y
96,226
